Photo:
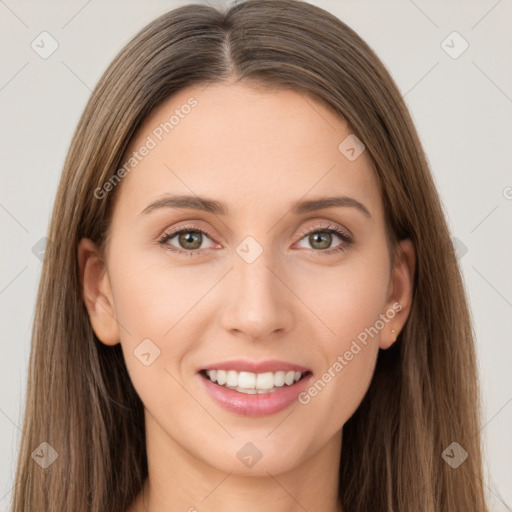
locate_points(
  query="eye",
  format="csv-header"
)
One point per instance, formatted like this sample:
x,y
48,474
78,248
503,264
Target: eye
x,y
187,240
321,238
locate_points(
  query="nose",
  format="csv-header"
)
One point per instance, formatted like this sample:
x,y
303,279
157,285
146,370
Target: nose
x,y
257,303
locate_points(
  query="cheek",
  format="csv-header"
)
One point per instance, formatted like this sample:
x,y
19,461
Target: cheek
x,y
151,296
154,304
349,300
336,393
156,307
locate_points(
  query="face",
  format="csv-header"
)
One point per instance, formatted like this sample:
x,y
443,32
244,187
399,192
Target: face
x,y
255,277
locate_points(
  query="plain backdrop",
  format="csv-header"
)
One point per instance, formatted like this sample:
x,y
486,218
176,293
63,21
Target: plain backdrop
x,y
461,105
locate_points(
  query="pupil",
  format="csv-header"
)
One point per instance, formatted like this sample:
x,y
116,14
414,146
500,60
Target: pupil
x,y
317,237
190,237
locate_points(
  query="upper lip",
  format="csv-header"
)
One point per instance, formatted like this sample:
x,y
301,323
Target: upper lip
x,y
240,365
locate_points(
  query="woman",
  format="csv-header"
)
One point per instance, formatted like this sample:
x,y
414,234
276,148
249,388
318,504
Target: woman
x,y
251,300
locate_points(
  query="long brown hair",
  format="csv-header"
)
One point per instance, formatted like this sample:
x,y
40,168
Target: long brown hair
x,y
424,393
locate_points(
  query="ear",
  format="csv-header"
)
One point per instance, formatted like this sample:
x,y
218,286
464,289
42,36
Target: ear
x,y
96,292
400,292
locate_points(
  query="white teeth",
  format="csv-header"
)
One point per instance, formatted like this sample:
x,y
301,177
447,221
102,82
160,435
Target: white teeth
x,y
265,380
221,377
232,378
279,379
289,378
247,391
253,383
246,380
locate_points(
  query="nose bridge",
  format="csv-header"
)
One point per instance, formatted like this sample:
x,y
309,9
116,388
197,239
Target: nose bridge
x,y
258,305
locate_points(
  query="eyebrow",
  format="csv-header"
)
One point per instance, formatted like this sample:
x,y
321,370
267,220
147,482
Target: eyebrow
x,y
215,207
185,201
329,202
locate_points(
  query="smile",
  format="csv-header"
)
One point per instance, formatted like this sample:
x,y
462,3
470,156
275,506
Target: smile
x,y
253,393
253,383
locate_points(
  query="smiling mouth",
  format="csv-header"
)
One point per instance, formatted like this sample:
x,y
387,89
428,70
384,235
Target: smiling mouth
x,y
254,383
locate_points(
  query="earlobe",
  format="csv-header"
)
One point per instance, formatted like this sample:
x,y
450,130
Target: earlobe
x,y
96,292
401,292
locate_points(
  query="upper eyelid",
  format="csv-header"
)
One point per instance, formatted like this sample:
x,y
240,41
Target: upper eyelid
x,y
328,227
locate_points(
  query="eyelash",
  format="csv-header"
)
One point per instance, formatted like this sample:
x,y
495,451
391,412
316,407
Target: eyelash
x,y
329,228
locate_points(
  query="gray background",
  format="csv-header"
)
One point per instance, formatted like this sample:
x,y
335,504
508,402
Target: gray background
x,y
461,107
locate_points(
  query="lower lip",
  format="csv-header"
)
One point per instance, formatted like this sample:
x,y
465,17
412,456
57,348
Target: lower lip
x,y
255,405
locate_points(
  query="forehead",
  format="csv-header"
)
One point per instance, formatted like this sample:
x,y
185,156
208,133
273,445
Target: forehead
x,y
248,148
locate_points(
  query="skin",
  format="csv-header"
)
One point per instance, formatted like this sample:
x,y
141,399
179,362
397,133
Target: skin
x,y
259,153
